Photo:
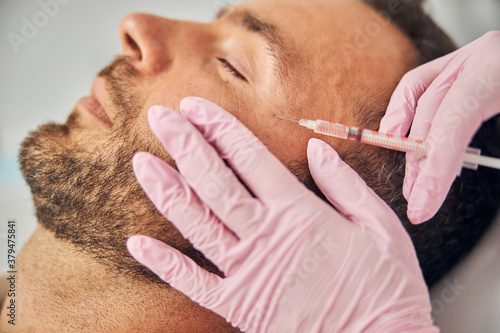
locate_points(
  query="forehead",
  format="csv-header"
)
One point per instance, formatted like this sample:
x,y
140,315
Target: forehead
x,y
331,27
301,19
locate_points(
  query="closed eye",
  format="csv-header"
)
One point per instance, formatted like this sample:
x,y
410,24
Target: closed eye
x,y
231,69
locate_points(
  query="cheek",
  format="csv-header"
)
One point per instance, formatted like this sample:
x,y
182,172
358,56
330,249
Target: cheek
x,y
287,145
253,111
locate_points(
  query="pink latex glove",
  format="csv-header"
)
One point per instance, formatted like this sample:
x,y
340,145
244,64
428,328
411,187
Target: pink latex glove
x,y
447,99
291,262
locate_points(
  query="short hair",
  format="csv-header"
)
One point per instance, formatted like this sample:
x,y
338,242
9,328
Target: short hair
x,y
410,17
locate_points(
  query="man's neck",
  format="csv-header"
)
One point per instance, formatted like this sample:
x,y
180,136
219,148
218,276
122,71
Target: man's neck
x,y
62,289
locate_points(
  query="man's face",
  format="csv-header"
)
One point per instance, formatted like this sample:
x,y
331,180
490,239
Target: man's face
x,y
288,58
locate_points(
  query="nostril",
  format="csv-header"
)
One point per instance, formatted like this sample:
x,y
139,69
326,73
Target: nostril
x,y
137,50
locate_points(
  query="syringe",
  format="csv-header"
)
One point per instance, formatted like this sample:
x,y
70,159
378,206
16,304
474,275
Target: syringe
x,y
472,157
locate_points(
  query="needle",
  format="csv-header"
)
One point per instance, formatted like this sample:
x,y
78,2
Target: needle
x,y
287,119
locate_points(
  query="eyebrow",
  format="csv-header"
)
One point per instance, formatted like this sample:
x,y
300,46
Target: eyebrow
x,y
277,46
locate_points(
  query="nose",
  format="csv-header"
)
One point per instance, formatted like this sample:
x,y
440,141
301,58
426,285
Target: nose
x,y
144,40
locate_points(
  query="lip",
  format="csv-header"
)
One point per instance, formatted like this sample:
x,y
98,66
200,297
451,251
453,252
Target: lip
x,y
97,103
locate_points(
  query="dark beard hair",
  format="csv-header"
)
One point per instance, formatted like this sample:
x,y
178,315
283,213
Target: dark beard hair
x,y
93,199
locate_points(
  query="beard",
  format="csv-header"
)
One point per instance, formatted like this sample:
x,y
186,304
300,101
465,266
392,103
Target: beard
x,y
91,198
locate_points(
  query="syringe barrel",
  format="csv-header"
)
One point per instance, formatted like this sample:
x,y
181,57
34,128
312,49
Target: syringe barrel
x,y
331,129
392,142
366,136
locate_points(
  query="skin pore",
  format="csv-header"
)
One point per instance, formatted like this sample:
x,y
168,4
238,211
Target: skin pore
x,y
290,58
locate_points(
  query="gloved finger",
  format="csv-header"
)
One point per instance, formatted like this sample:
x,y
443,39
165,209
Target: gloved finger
x,y
345,189
452,130
174,268
401,109
260,170
428,105
205,171
173,197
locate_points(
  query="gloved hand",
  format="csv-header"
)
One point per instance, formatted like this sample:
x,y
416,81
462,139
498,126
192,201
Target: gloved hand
x,y
291,262
448,99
